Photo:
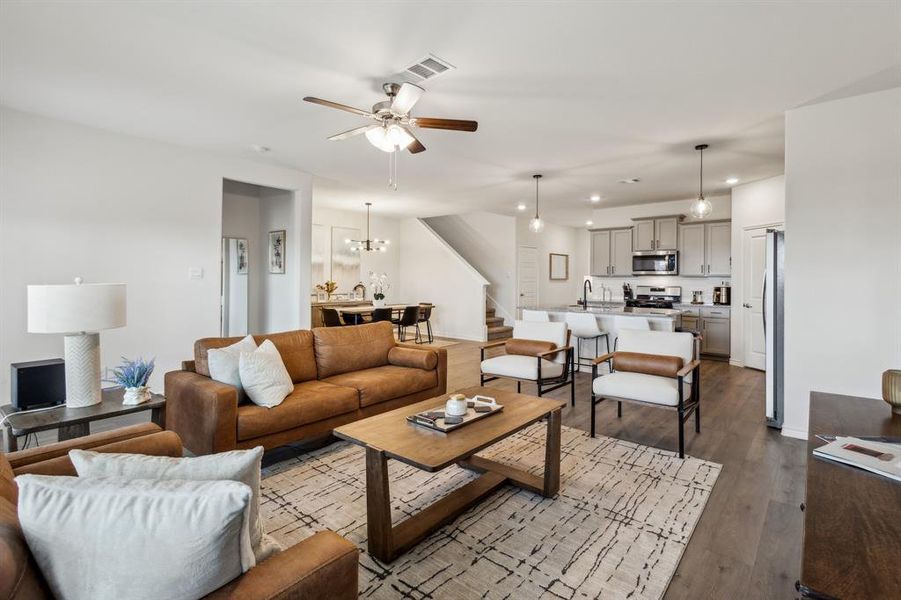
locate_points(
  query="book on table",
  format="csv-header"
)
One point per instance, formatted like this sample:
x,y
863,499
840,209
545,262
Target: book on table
x,y
876,457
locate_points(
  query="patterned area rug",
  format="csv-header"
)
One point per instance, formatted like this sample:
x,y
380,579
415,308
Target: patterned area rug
x,y
617,529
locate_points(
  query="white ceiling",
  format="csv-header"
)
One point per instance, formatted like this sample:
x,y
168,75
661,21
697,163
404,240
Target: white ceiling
x,y
586,93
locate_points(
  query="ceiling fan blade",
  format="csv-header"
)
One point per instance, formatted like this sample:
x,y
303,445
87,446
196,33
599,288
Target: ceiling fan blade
x,y
344,107
453,124
351,132
406,97
415,146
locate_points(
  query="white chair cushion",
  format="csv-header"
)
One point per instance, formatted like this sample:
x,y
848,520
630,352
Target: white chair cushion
x,y
535,315
585,333
666,343
521,367
638,386
583,325
554,332
264,376
110,538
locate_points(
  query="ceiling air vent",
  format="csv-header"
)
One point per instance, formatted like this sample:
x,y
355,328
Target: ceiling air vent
x,y
428,68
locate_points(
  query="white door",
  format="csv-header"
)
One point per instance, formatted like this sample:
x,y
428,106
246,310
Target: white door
x,y
753,267
691,250
719,249
600,253
621,252
527,276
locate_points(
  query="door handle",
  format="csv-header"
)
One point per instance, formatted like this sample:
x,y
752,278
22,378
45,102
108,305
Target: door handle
x,y
746,305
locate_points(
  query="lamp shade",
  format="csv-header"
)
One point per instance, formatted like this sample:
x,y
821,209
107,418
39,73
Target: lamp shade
x,y
75,308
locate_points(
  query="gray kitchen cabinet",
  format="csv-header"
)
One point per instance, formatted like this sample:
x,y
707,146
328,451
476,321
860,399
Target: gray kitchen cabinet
x,y
705,249
692,259
689,323
656,234
621,252
611,253
667,233
643,236
719,249
600,253
716,335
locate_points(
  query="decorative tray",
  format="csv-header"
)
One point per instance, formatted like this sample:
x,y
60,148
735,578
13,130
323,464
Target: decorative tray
x,y
435,418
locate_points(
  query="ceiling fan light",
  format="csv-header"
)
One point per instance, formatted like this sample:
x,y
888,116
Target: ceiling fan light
x,y
398,136
378,137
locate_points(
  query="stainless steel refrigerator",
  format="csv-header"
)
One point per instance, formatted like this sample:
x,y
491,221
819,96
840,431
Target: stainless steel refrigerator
x,y
774,326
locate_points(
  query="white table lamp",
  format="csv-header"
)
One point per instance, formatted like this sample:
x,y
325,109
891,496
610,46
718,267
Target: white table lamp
x,y
80,311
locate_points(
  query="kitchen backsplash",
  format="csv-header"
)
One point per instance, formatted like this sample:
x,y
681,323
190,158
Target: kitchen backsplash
x,y
688,284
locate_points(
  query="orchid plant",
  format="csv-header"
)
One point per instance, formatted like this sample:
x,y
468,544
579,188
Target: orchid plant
x,y
133,373
379,284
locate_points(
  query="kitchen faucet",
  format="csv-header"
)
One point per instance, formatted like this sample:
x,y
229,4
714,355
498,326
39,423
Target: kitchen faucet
x,y
586,287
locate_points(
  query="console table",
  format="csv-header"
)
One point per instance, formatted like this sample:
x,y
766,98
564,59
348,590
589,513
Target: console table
x,y
76,422
852,518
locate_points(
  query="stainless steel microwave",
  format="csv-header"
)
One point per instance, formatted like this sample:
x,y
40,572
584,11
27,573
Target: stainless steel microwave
x,y
655,262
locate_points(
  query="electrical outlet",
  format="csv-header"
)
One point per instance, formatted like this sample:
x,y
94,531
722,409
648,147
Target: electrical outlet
x,y
195,272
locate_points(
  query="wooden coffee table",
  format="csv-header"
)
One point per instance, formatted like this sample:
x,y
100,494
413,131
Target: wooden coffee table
x,y
390,435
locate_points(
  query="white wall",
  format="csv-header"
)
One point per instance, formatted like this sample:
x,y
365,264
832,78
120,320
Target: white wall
x,y
78,201
843,224
488,242
280,293
241,219
621,216
384,228
556,239
431,271
754,205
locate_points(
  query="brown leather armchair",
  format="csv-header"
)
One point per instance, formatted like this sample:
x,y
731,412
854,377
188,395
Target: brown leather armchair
x,y
323,565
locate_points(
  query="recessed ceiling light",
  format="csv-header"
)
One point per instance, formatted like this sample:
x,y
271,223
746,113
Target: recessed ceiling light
x,y
260,149
630,180
595,198
732,180
520,206
589,223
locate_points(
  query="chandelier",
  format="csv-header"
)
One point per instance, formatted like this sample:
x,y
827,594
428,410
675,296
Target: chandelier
x,y
368,245
701,207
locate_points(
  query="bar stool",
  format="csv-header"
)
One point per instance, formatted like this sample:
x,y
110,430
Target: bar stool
x,y
584,326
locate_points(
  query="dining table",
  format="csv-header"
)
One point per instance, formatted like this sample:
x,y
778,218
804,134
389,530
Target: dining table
x,y
367,310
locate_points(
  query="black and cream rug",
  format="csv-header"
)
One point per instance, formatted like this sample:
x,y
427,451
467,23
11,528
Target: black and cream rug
x,y
617,529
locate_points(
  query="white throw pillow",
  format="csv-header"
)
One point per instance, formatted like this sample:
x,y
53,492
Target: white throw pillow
x,y
264,376
223,362
112,538
237,465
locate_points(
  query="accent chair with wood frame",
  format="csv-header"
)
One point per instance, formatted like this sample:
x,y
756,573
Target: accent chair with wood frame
x,y
654,368
539,352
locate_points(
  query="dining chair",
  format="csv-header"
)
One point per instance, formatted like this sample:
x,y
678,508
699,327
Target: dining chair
x,y
352,319
409,318
653,368
330,317
584,326
425,315
382,314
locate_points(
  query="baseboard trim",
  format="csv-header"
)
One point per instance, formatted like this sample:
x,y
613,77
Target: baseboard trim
x,y
456,336
736,363
799,434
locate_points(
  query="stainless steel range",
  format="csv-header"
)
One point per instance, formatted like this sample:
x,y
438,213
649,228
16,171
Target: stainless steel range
x,y
649,296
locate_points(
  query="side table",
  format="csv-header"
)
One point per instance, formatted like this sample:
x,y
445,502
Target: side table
x,y
76,422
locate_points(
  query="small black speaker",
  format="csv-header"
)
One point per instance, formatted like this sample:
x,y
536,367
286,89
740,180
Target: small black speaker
x,y
38,383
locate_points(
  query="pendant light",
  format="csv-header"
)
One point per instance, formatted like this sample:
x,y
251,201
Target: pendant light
x,y
368,245
701,207
536,225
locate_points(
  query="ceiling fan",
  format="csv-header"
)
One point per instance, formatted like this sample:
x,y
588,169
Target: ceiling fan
x,y
393,125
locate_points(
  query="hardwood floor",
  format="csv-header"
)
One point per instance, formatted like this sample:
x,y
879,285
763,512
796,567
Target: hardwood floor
x,y
748,541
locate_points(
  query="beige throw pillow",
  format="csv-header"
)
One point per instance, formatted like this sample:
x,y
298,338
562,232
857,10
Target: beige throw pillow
x,y
114,538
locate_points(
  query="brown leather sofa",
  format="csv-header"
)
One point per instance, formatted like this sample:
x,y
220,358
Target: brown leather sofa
x,y
340,375
323,565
